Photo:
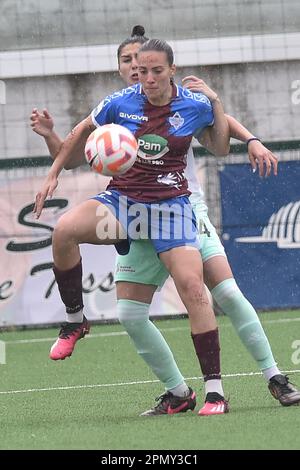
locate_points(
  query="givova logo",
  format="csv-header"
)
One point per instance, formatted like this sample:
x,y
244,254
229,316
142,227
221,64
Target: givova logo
x,y
283,228
152,147
134,117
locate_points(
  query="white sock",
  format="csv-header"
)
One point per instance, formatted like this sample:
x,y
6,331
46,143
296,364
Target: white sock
x,y
214,386
181,390
75,317
270,372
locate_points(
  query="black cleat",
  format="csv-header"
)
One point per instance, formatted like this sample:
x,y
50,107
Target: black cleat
x,y
169,404
283,390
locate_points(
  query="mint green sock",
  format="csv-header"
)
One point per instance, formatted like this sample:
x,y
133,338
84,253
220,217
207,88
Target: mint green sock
x,y
149,342
245,321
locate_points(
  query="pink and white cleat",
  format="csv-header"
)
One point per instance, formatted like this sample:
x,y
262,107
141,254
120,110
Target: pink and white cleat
x,y
215,404
69,334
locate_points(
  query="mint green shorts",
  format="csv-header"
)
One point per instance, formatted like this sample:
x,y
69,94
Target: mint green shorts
x,y
143,266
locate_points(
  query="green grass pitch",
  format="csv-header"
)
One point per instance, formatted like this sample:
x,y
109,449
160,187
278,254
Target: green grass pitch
x,y
93,400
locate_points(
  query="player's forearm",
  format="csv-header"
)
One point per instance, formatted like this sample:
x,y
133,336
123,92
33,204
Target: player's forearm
x,y
219,132
237,130
77,159
54,144
73,146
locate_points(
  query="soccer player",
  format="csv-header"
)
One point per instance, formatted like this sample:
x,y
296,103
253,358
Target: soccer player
x,y
135,287
158,192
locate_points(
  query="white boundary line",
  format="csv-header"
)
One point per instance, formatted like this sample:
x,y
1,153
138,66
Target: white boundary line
x,y
164,330
122,384
42,340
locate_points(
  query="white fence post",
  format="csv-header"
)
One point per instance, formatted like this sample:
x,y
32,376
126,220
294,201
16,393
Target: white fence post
x,y
2,352
2,92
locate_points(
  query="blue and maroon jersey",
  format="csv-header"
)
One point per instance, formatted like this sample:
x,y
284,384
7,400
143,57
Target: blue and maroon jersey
x,y
164,134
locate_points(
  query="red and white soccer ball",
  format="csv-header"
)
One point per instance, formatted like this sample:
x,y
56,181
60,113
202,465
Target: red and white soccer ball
x,y
111,150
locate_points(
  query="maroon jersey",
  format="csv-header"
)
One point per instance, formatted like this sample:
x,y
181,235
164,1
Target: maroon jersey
x,y
164,134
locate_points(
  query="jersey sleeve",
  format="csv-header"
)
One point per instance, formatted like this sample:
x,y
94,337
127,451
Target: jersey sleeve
x,y
103,113
206,114
205,109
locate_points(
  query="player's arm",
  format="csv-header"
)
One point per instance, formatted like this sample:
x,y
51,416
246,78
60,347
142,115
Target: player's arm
x,y
259,155
43,124
75,141
216,137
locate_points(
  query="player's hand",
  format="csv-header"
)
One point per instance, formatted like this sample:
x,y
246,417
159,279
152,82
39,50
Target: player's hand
x,y
262,158
41,123
46,191
197,85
